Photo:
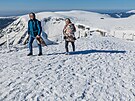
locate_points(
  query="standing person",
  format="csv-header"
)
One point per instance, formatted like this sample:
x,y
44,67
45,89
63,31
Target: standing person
x,y
34,31
69,36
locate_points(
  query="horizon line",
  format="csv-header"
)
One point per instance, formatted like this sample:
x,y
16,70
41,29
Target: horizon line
x,y
23,12
59,9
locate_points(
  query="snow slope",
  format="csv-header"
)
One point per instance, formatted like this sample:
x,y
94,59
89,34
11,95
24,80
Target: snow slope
x,y
53,23
101,69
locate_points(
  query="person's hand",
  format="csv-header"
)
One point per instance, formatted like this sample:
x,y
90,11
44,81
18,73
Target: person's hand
x,y
37,36
69,31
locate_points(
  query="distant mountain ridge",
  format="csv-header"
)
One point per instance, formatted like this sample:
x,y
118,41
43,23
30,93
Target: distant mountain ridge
x,y
121,14
53,23
5,21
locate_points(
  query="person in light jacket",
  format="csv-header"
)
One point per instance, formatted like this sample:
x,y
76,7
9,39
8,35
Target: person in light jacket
x,y
69,35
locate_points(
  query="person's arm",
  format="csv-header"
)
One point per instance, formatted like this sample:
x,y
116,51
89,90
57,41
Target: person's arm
x,y
39,28
28,27
73,29
64,29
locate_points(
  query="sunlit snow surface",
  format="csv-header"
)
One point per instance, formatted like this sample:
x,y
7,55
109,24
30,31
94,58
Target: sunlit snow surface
x,y
101,69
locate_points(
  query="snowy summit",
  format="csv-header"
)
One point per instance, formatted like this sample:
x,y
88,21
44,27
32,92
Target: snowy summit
x,y
101,69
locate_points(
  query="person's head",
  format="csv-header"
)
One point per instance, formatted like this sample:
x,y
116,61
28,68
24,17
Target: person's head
x,y
67,21
32,16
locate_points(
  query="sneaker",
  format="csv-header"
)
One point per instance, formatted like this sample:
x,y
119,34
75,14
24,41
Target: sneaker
x,y
30,54
40,54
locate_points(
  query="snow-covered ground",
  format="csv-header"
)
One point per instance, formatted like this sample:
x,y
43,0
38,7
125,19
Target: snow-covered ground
x,y
101,69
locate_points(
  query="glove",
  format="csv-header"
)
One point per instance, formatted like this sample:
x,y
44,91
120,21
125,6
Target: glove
x,y
65,37
75,38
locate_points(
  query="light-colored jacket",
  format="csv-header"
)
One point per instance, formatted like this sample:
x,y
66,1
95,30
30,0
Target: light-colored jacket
x,y
69,31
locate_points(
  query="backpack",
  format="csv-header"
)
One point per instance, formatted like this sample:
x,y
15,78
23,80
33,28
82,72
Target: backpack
x,y
38,23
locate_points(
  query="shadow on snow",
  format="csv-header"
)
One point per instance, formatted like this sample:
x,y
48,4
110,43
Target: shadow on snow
x,y
91,51
96,51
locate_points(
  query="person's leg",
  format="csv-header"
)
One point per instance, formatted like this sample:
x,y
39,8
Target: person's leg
x,y
31,39
40,49
73,45
66,46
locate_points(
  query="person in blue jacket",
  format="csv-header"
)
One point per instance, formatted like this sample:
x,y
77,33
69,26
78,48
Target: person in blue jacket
x,y
34,31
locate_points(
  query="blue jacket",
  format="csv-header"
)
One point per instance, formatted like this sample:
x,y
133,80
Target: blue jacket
x,y
34,28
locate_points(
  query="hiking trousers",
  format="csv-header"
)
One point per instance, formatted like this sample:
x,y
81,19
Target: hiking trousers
x,y
31,39
66,46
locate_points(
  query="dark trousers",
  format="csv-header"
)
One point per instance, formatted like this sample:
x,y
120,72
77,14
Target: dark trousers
x,y
66,45
31,39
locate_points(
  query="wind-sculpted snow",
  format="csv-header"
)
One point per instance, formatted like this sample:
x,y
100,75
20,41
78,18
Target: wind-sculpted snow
x,y
101,69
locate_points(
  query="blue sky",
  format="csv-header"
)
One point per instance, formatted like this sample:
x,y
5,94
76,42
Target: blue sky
x,y
13,5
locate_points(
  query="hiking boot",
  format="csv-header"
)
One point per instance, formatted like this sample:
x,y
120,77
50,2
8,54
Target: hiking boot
x,y
40,54
30,54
